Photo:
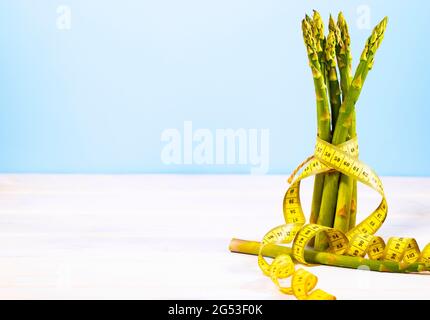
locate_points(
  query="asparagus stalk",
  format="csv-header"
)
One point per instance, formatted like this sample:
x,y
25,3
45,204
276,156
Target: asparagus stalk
x,y
313,46
343,125
322,217
345,62
325,258
354,202
345,200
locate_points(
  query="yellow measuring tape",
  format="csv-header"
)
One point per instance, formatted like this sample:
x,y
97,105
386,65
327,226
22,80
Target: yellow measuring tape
x,y
359,241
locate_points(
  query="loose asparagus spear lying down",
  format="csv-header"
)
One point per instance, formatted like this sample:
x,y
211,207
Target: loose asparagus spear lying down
x,y
325,258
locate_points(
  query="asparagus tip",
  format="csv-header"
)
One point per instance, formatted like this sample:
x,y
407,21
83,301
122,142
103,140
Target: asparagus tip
x,y
331,23
373,42
318,30
330,48
307,33
332,26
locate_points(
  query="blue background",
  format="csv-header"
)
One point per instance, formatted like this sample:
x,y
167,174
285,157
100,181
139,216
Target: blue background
x,y
95,99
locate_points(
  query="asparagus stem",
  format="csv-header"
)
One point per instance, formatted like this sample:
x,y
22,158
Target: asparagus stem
x,y
313,47
328,207
353,130
317,197
353,209
345,198
343,125
343,206
325,258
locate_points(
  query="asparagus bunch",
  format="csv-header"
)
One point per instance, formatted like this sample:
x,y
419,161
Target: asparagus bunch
x,y
334,199
347,193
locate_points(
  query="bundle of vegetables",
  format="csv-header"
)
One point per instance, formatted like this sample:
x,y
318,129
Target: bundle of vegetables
x,y
337,170
334,201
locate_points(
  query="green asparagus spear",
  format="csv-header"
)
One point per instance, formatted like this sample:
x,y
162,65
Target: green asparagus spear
x,y
323,112
345,199
345,60
329,259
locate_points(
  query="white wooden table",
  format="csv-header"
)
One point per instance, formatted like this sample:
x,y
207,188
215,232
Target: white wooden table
x,y
167,236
